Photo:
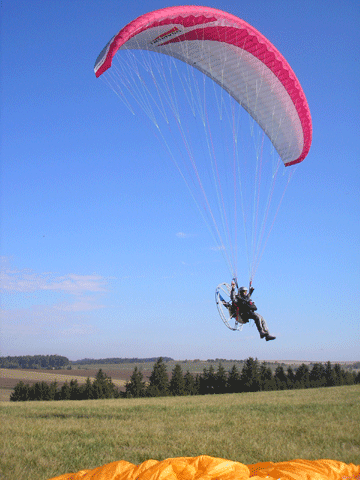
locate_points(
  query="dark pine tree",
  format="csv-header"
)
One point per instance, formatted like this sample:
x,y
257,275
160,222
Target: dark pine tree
x,y
339,375
75,391
330,375
103,387
197,381
53,392
21,392
207,381
159,381
40,391
135,388
233,380
87,390
267,381
302,377
280,378
317,376
250,376
177,382
65,392
220,379
290,378
189,381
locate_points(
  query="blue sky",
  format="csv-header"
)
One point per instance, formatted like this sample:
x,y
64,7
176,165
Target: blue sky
x,y
103,253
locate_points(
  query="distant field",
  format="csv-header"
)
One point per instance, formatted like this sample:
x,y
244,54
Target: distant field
x,y
197,366
44,439
146,367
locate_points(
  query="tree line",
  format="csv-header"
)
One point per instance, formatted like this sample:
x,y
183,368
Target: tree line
x,y
253,377
35,361
58,361
101,387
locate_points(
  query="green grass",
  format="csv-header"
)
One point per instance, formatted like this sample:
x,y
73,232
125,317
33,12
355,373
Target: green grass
x,y
45,439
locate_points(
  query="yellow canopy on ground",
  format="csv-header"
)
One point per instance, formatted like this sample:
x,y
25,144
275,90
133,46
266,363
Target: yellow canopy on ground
x,y
211,468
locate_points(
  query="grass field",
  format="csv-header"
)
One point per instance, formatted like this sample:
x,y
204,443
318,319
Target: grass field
x,y
44,439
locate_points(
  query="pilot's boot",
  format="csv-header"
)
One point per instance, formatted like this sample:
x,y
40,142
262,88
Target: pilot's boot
x,y
262,327
269,337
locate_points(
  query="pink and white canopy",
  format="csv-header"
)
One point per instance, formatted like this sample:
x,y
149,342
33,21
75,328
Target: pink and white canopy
x,y
237,57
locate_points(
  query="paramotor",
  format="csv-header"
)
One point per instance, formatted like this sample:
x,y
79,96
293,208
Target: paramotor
x,y
228,314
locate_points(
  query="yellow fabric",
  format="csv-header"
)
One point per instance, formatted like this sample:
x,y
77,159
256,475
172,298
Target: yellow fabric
x,y
210,468
306,470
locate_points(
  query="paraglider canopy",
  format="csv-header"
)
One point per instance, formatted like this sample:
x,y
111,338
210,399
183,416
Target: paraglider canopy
x,y
237,57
